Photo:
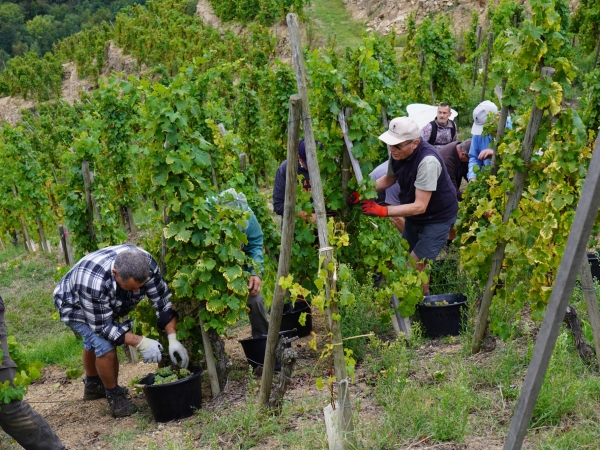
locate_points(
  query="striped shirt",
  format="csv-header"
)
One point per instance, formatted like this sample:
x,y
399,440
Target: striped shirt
x,y
89,293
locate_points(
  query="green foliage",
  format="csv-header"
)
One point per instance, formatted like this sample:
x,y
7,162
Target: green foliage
x,y
590,103
37,26
586,23
26,373
429,70
266,12
506,15
366,314
32,77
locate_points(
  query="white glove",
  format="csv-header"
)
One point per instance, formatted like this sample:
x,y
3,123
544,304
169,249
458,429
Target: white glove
x,y
150,350
177,347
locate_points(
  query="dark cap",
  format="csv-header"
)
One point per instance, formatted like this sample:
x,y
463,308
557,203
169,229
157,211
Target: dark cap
x,y
302,149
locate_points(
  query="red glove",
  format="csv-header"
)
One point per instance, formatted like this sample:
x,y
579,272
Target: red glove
x,y
371,208
353,199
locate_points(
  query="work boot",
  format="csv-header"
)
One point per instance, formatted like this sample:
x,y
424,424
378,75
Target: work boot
x,y
93,390
119,405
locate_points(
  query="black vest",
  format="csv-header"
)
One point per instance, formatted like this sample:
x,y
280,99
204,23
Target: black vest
x,y
434,130
443,205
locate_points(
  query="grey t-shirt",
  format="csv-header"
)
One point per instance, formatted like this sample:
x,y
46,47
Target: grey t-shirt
x,y
428,172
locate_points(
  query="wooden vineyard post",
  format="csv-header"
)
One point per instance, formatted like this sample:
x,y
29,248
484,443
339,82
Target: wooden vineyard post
x,y
591,301
570,265
345,426
500,133
287,240
486,65
44,242
475,62
211,365
65,241
596,56
403,323
28,242
2,245
242,162
130,221
513,202
87,183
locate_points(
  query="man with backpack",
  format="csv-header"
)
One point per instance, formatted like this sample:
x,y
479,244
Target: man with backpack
x,y
442,130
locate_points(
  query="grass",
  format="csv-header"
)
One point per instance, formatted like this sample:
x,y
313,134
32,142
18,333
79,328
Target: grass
x,y
329,21
415,389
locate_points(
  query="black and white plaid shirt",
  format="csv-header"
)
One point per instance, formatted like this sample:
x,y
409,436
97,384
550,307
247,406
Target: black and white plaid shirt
x,y
88,293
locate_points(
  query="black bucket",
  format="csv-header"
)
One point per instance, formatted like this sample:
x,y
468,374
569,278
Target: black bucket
x,y
291,317
173,401
442,315
593,260
255,348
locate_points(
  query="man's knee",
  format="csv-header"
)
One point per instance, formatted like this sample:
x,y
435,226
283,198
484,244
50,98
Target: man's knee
x,y
28,427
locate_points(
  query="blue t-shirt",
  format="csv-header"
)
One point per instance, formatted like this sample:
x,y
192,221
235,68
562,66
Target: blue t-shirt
x,y
478,143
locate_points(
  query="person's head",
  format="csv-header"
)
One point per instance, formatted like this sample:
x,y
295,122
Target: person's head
x,y
443,113
480,116
302,152
403,136
131,269
462,148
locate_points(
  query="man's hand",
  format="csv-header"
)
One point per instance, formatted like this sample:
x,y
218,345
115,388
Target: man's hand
x,y
304,216
485,154
177,347
150,349
371,208
353,199
254,285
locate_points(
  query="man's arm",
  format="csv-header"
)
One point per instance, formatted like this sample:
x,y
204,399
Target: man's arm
x,y
279,190
254,250
412,209
384,182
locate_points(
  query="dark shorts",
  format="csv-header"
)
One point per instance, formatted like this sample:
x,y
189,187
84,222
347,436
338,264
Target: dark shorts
x,y
427,240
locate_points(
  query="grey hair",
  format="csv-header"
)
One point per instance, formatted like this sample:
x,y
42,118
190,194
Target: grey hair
x,y
134,264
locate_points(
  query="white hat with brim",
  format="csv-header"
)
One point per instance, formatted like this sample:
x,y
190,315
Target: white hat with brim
x,y
480,114
401,129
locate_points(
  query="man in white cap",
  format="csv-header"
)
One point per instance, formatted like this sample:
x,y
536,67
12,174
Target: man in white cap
x,y
480,153
427,195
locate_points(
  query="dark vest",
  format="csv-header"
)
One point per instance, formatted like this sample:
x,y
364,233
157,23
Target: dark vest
x,y
443,205
434,130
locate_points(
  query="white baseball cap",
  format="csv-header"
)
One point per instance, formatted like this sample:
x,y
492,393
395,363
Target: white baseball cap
x,y
480,114
401,129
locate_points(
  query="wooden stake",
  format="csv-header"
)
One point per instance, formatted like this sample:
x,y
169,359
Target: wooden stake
x,y
513,202
486,65
591,301
44,242
65,240
570,264
87,183
596,57
287,240
475,62
130,220
2,245
211,366
494,165
346,426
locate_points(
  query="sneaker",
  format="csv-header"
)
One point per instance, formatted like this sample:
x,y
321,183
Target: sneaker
x,y
119,405
93,390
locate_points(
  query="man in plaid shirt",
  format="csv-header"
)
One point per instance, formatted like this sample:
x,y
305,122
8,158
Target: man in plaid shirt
x,y
94,295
